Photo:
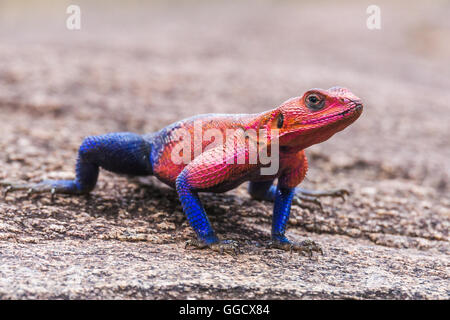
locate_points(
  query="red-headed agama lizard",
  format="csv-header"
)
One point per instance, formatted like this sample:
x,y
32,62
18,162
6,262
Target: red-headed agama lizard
x,y
212,165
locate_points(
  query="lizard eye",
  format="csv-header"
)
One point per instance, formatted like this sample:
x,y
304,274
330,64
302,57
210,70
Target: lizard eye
x,y
280,121
314,102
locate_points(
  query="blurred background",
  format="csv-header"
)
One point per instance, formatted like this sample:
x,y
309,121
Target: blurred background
x,y
141,65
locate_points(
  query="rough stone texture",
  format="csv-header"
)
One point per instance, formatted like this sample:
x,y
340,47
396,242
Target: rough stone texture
x,y
138,69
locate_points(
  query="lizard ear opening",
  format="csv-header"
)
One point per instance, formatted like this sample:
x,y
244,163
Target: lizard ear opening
x,y
278,122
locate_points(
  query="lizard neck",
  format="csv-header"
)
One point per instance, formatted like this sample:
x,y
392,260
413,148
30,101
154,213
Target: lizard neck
x,y
259,121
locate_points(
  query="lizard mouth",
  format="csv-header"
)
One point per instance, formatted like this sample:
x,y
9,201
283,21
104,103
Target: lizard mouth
x,y
356,107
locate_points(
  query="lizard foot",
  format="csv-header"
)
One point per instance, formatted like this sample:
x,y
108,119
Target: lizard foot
x,y
312,196
31,188
304,247
335,193
300,199
227,246
51,186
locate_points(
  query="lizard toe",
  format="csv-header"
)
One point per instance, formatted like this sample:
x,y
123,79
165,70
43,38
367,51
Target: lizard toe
x,y
12,186
300,200
225,246
305,247
228,246
339,193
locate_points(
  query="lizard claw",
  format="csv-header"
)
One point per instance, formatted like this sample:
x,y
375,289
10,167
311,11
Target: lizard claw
x,y
304,195
7,189
299,199
340,193
305,246
52,194
31,188
11,186
227,246
195,243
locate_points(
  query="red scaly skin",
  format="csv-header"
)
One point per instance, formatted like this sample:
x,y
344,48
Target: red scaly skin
x,y
302,127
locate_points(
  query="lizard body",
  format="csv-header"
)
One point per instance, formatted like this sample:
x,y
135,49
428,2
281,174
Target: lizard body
x,y
212,167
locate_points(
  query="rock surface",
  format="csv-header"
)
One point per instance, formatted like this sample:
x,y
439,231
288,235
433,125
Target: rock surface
x,y
139,69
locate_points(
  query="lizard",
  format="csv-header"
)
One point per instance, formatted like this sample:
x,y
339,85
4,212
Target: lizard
x,y
290,128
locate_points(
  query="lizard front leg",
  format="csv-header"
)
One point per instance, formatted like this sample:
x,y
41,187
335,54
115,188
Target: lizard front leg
x,y
281,211
196,215
198,219
283,195
206,172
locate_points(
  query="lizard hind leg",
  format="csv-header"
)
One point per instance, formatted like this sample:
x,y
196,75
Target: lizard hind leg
x,y
125,153
196,215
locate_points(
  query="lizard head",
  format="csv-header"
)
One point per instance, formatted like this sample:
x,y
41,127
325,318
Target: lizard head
x,y
313,117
